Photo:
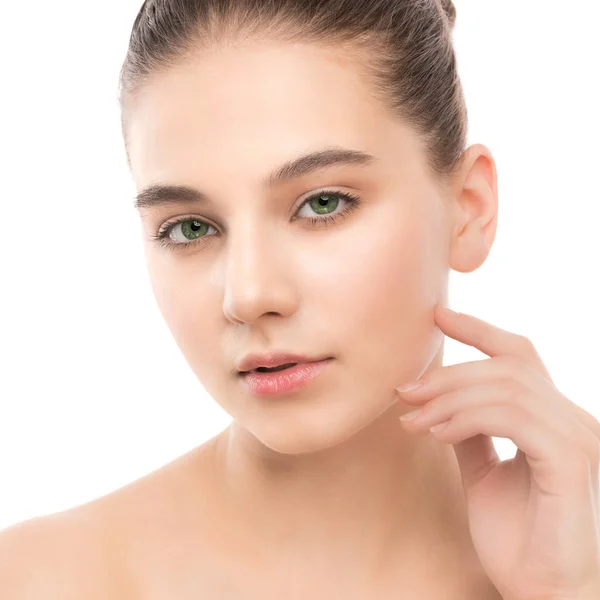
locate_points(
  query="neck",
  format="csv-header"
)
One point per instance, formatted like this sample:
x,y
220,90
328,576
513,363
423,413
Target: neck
x,y
382,500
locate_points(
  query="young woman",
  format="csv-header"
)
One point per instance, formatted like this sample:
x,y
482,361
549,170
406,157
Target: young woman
x,y
305,189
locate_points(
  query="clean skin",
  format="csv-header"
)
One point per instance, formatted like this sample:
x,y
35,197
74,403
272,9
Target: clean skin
x,y
326,481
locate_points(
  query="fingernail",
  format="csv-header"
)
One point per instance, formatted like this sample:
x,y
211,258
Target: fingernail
x,y
409,386
439,426
410,415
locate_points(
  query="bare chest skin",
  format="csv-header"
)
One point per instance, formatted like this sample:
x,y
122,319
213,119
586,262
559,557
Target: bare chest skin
x,y
171,541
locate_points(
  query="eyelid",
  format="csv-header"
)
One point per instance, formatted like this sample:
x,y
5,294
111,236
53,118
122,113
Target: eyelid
x,y
315,192
293,210
171,222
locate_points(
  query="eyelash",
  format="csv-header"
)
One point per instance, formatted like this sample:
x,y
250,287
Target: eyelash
x,y
161,238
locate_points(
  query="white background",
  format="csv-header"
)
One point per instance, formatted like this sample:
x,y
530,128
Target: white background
x,y
94,392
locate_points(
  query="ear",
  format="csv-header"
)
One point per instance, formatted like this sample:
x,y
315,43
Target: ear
x,y
475,210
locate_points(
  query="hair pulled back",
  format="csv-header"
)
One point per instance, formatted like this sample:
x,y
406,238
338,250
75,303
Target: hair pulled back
x,y
403,47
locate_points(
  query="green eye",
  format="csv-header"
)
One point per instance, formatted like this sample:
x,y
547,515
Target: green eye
x,y
321,204
194,229
324,203
191,229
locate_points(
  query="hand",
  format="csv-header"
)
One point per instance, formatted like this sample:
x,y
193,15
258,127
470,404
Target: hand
x,y
534,519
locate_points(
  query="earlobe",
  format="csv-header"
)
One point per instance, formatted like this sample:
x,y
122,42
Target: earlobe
x,y
468,254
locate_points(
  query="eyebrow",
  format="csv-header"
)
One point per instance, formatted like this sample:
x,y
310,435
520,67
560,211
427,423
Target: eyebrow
x,y
160,194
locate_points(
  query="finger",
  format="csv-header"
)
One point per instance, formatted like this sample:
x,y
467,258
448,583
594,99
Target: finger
x,y
479,372
589,420
557,463
488,338
557,416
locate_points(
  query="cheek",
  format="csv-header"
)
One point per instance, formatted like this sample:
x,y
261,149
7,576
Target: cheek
x,y
379,280
380,295
190,311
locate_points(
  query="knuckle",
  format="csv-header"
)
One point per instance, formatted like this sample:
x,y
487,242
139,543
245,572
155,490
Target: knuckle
x,y
587,418
593,424
595,452
524,342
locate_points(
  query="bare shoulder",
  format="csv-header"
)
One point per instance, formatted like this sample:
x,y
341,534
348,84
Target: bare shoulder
x,y
118,546
55,556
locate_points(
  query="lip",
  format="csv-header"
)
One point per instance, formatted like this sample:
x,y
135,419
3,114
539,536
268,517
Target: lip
x,y
274,359
288,380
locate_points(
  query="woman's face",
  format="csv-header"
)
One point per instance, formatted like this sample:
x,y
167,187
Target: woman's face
x,y
257,275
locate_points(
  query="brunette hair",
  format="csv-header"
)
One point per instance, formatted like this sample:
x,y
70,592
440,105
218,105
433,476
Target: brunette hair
x,y
403,47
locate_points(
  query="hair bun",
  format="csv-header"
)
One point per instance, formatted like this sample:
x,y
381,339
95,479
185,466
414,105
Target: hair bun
x,y
450,10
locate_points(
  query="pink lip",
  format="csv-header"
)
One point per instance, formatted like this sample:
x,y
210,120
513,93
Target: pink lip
x,y
274,359
280,382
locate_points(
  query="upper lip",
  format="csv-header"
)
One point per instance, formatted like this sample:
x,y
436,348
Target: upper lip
x,y
274,359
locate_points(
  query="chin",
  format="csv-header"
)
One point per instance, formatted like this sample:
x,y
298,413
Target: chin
x,y
304,429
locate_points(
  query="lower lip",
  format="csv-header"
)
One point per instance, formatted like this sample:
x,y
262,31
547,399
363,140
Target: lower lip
x,y
288,380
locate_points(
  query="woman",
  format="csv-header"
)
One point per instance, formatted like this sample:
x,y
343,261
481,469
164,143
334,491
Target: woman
x,y
304,190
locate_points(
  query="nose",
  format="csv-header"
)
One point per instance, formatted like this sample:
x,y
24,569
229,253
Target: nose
x,y
258,276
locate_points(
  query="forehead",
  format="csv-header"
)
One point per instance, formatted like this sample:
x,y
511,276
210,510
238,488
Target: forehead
x,y
254,106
